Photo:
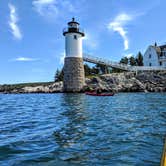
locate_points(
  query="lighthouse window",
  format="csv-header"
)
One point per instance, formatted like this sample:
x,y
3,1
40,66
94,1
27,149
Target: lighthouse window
x,y
75,37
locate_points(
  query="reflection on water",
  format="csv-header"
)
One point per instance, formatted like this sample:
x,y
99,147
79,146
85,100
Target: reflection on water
x,y
75,129
69,135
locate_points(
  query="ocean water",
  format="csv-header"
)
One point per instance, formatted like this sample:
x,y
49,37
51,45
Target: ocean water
x,y
75,129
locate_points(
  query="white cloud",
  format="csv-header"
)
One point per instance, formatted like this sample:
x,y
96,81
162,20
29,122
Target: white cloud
x,y
46,7
118,24
128,55
68,5
52,8
25,59
13,22
62,57
90,42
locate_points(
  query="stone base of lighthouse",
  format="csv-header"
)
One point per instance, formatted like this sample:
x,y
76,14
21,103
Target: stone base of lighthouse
x,y
74,77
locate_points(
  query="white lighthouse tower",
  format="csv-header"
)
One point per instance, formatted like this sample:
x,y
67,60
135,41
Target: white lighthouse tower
x,y
74,78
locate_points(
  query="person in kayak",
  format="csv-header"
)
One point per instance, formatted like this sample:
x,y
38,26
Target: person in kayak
x,y
98,91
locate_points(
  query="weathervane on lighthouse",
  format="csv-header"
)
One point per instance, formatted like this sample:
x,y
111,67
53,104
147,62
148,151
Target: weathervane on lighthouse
x,y
74,78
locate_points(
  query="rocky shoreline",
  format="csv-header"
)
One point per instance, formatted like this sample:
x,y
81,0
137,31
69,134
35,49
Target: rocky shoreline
x,y
115,82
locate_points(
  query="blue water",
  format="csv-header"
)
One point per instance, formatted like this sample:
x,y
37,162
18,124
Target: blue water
x,y
74,129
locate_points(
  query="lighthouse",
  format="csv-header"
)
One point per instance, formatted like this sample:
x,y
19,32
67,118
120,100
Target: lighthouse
x,y
74,77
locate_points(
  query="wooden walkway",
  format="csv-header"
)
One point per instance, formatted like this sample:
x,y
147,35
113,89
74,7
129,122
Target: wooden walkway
x,y
109,63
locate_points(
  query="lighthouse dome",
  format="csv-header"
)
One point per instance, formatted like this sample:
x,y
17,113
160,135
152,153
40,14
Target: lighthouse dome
x,y
73,27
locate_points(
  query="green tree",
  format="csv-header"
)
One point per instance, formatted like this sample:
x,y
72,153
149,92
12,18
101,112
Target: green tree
x,y
58,75
94,70
124,60
115,70
139,59
102,69
132,61
87,70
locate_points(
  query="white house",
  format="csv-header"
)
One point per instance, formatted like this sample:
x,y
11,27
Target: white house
x,y
155,56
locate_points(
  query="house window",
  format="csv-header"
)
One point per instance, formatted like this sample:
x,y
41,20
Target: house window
x,y
75,37
150,64
165,54
150,55
160,63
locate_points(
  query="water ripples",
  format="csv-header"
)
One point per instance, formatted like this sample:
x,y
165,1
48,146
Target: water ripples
x,y
75,129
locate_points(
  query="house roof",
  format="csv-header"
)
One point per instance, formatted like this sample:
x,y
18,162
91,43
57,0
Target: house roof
x,y
163,47
159,49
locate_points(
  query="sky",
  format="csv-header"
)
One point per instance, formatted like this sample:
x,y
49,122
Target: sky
x,y
32,44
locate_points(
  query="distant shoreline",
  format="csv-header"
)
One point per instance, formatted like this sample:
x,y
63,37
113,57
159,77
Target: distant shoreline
x,y
115,82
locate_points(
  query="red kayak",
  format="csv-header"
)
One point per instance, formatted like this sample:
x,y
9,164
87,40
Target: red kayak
x,y
99,94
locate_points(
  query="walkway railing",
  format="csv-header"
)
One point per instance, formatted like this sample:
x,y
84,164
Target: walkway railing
x,y
109,63
97,60
146,68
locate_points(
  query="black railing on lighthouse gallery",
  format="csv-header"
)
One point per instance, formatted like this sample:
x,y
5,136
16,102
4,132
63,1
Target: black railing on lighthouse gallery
x,y
73,30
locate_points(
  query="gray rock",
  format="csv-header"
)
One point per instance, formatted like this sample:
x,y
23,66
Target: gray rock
x,y
130,82
116,82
